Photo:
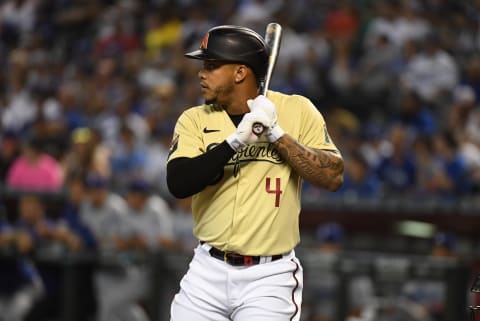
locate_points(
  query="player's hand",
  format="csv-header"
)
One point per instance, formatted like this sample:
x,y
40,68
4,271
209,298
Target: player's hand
x,y
244,134
261,103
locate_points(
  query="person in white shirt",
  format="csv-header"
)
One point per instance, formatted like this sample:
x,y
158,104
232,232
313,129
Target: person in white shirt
x,y
105,214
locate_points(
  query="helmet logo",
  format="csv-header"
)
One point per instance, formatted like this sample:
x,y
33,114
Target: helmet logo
x,y
204,43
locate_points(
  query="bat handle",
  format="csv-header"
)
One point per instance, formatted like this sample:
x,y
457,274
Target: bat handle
x,y
258,128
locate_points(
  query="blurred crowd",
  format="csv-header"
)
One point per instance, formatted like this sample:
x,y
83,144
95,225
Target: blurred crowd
x,y
90,91
96,86
38,235
380,294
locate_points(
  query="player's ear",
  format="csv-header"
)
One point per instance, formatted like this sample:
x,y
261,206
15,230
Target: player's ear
x,y
241,72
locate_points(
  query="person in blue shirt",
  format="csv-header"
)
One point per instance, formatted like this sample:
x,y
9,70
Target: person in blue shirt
x,y
76,191
360,182
397,171
128,158
45,239
415,115
456,181
20,283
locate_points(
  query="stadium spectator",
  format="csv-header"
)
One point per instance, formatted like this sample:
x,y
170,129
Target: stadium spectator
x,y
67,97
432,73
35,170
463,116
18,20
255,12
430,295
162,30
376,145
19,111
20,283
149,223
330,240
340,73
397,171
128,157
105,215
382,23
429,171
147,227
453,180
39,233
9,151
323,282
411,23
70,212
471,75
157,149
102,211
461,109
341,21
360,182
87,154
415,116
183,223
79,70
376,71
49,127
116,38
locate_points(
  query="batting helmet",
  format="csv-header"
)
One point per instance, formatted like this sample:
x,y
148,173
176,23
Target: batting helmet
x,y
234,44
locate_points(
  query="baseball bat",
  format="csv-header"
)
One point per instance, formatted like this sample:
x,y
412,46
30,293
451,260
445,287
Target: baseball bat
x,y
273,36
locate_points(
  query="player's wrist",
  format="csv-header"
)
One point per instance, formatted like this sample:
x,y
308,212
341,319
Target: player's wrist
x,y
234,142
275,133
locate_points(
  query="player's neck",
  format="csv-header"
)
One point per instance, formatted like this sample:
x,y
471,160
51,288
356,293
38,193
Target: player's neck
x,y
238,103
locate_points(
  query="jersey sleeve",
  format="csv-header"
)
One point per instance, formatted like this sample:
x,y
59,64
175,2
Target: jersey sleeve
x,y
314,133
186,141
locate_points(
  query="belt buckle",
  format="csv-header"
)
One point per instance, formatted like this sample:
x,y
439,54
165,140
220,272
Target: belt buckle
x,y
246,259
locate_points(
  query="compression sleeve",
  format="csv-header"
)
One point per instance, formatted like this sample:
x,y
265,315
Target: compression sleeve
x,y
188,176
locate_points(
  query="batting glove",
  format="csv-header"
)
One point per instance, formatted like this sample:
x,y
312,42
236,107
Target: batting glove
x,y
244,134
262,103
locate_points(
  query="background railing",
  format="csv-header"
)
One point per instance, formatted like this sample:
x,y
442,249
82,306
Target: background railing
x,y
388,274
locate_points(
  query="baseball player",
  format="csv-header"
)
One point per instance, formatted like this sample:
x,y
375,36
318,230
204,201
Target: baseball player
x,y
246,187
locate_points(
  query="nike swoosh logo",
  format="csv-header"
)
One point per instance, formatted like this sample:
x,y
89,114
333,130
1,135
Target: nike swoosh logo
x,y
206,131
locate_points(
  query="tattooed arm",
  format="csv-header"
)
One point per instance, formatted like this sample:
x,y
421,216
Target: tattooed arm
x,y
322,168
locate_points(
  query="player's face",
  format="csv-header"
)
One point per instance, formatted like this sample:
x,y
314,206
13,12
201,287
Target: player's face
x,y
217,82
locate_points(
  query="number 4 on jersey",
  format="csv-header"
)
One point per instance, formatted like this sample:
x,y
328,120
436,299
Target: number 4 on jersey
x,y
277,191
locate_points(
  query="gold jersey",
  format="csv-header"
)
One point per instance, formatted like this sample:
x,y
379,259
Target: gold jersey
x,y
253,207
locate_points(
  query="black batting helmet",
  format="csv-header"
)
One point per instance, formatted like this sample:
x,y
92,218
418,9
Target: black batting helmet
x,y
234,44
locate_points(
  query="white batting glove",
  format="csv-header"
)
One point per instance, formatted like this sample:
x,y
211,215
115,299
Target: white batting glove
x,y
262,103
244,134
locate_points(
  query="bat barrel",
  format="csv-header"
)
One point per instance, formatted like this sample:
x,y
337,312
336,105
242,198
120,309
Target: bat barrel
x,y
273,34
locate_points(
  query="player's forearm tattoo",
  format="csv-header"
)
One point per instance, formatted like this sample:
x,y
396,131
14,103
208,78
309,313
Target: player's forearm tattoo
x,y
318,167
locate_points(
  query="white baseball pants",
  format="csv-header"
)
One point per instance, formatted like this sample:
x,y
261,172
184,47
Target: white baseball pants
x,y
213,290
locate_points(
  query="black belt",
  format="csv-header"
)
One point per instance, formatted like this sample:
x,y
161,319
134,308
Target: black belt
x,y
236,259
